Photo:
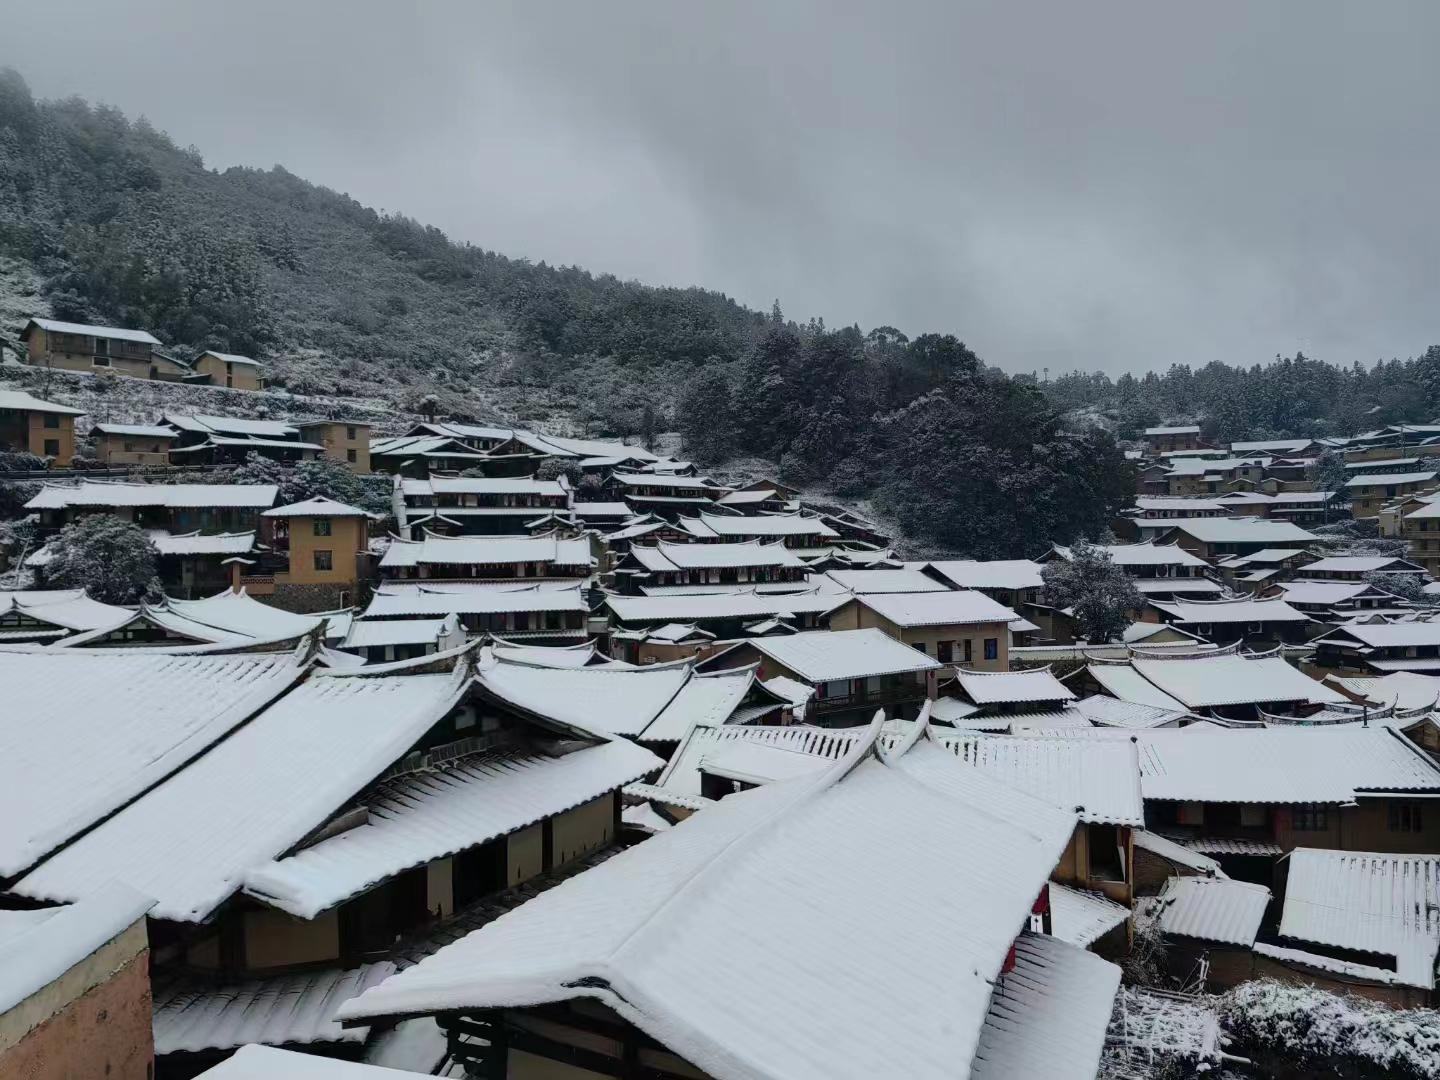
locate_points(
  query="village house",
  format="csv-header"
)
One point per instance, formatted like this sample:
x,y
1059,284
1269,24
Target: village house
x,y
1337,601
1164,440
828,830
1378,648
1356,567
852,672
217,440
648,567
1420,529
417,455
1263,568
1159,571
315,556
554,612
661,494
232,620
1000,702
883,579
1213,539
75,989
438,800
42,428
1257,623
488,558
98,349
1223,685
229,370
194,527
473,505
1015,583
966,628
1370,493
133,444
345,441
794,530
726,615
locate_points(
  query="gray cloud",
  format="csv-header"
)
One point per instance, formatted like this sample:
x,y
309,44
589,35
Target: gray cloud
x,y
1119,185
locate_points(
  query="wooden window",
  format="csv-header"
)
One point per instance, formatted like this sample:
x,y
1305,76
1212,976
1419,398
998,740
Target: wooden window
x,y
322,526
351,456
1310,817
52,447
52,420
1404,817
324,560
969,650
992,648
350,431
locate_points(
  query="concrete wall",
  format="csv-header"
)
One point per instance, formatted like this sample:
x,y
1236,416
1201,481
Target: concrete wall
x,y
91,1022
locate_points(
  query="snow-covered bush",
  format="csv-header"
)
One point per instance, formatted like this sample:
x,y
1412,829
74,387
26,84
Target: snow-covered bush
x,y
1350,1035
112,560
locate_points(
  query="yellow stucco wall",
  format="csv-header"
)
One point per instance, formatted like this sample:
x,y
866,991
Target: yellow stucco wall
x,y
63,434
856,616
339,444
275,939
348,537
233,376
525,854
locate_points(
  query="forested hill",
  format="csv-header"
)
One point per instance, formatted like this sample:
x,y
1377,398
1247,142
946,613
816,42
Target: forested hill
x,y
111,222
122,226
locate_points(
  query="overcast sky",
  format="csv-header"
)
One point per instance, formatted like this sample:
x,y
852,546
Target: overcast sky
x,y
1097,185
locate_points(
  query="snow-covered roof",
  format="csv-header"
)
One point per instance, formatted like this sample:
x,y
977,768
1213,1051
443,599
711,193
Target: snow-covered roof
x,y
662,480
694,606
704,699
1176,586
84,732
1244,530
247,440
1202,681
1282,445
1127,684
190,841
995,574
563,446
141,431
1278,764
1146,554
665,556
580,655
711,526
236,614
612,699
827,655
175,496
886,581
1354,564
1083,918
481,485
462,600
1230,611
1403,689
37,947
90,330
1325,592
68,608
319,506
204,423
1367,902
1099,779
1106,711
808,853
1179,854
1388,479
1212,909
1389,635
196,1013
961,608
197,543
231,358
1003,687
1189,429
373,633
1049,1013
255,1062
423,816
486,551
20,401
